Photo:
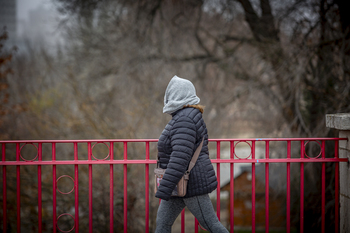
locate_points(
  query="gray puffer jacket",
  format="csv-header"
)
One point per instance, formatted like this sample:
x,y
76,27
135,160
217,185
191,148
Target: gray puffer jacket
x,y
176,146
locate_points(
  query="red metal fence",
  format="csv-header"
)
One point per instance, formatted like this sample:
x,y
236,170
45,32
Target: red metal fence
x,y
289,157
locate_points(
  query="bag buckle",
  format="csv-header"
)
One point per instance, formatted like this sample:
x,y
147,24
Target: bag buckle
x,y
187,175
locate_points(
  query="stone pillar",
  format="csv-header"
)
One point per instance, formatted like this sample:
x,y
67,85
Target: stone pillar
x,y
341,122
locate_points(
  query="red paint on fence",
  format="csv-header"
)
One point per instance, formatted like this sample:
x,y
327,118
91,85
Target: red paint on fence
x,y
111,161
54,187
267,151
76,188
4,185
218,177
253,187
231,188
302,149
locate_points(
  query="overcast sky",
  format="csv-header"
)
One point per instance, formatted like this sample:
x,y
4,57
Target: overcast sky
x,y
37,21
25,6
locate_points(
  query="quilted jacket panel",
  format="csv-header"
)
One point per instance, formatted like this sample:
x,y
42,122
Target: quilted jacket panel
x,y
176,146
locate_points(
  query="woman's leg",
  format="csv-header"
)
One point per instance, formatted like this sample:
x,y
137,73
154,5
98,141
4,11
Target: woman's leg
x,y
202,208
167,214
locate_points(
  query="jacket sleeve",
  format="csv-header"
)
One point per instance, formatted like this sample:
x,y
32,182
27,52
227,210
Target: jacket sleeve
x,y
183,139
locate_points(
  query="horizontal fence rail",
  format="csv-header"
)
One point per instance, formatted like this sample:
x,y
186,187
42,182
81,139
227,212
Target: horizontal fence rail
x,y
119,153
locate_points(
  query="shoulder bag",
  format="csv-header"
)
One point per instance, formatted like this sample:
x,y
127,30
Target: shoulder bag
x,y
181,187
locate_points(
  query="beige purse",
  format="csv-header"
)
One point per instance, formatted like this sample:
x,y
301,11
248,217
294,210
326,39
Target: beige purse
x,y
181,187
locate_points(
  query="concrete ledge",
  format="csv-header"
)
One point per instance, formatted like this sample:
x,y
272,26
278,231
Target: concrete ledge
x,y
340,121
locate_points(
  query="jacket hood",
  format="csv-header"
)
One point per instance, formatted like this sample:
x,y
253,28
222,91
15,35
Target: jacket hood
x,y
179,92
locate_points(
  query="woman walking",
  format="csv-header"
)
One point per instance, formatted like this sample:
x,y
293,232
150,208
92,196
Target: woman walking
x,y
176,146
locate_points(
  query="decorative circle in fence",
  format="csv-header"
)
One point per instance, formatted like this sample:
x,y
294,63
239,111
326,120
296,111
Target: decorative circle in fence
x,y
66,214
234,150
59,189
28,160
97,144
310,157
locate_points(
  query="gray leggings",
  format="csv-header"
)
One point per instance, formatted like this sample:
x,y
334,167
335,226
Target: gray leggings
x,y
200,206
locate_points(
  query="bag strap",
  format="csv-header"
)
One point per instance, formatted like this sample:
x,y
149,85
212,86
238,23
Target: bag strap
x,y
195,156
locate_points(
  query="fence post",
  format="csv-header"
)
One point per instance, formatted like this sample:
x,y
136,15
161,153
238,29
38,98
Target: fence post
x,y
341,122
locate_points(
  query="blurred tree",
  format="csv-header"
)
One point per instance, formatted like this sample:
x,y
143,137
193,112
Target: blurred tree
x,y
253,63
4,71
302,58
6,109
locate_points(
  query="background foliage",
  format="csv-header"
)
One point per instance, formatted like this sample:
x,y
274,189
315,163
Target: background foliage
x,y
268,68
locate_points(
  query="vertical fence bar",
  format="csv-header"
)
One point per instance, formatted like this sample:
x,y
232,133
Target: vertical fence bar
x,y
253,188
267,185
302,151
183,221
288,186
4,188
18,172
39,189
90,187
111,185
323,187
218,156
232,188
76,190
196,225
336,155
125,188
147,189
54,187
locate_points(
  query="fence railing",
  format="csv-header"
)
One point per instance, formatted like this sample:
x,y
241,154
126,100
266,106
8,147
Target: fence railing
x,y
13,156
